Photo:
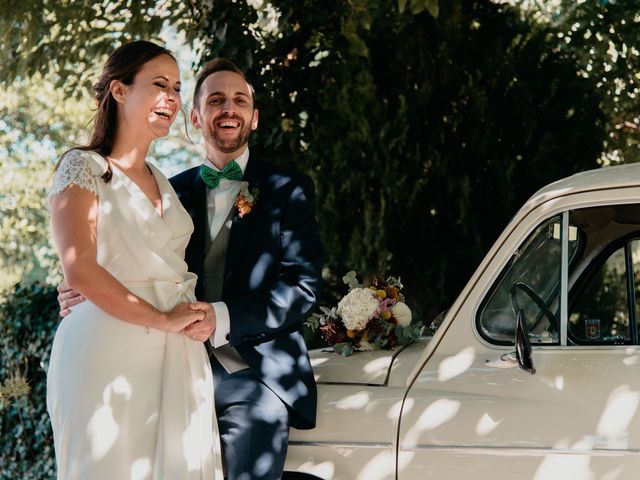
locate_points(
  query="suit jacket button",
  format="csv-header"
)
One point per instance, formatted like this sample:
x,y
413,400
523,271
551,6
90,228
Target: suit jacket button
x,y
227,337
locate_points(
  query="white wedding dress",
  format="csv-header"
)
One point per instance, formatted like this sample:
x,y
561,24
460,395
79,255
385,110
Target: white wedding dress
x,y
127,402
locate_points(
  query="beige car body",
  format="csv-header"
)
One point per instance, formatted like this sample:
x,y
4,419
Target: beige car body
x,y
455,407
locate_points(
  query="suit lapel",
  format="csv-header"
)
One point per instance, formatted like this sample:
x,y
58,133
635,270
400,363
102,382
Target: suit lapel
x,y
194,201
240,226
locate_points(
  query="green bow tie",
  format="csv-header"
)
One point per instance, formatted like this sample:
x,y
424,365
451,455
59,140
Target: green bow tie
x,y
211,177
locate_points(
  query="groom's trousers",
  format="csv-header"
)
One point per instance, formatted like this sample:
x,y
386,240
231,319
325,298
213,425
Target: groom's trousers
x,y
253,424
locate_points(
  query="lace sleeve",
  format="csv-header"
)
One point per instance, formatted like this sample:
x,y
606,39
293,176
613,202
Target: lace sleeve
x,y
79,168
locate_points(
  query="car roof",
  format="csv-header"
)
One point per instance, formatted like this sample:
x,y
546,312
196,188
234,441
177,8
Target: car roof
x,y
619,176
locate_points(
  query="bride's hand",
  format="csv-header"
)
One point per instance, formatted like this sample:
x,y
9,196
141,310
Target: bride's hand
x,y
203,329
176,319
67,298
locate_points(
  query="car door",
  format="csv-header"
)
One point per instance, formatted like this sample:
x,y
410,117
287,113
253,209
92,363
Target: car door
x,y
570,266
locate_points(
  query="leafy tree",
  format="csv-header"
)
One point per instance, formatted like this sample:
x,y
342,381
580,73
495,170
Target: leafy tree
x,y
425,124
605,38
412,117
423,133
36,118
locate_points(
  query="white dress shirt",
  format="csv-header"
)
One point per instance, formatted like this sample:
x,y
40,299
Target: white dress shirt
x,y
219,201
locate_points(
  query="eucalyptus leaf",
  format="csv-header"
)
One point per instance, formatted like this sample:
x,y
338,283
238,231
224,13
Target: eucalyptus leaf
x,y
345,349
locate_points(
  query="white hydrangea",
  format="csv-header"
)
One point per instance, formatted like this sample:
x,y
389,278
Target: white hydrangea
x,y
402,313
357,307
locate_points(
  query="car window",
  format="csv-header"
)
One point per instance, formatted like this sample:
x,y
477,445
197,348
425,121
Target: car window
x,y
603,281
603,311
531,277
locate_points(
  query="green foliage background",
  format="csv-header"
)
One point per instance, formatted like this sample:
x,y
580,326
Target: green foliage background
x,y
424,124
29,319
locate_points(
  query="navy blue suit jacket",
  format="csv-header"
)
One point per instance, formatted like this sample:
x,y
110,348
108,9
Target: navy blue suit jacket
x,y
272,277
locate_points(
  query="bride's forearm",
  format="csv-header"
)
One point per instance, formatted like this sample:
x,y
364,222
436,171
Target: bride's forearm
x,y
74,219
102,289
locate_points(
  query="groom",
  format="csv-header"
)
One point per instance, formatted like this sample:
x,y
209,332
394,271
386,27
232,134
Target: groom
x,y
258,257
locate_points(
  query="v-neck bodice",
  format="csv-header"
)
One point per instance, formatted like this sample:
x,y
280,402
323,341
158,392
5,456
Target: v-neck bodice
x,y
134,242
135,189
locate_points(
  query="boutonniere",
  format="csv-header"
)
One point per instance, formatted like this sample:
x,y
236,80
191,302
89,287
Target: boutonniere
x,y
246,199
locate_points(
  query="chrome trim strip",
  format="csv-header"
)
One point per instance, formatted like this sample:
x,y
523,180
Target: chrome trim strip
x,y
564,278
509,450
300,443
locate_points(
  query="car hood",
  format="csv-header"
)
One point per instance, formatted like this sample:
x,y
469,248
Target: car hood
x,y
361,368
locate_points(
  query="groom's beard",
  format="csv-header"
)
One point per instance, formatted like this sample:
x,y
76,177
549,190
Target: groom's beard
x,y
229,145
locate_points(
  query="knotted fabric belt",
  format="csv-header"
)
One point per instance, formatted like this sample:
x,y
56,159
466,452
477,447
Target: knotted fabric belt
x,y
168,293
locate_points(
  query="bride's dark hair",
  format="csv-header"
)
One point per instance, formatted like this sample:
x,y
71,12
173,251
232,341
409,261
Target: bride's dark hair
x,y
123,64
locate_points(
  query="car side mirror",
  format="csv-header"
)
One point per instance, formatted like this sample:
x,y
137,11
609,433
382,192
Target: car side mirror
x,y
523,345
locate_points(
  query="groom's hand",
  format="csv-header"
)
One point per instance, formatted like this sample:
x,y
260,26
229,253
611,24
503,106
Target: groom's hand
x,y
67,298
203,329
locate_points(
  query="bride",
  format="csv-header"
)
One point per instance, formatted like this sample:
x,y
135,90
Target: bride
x,y
129,387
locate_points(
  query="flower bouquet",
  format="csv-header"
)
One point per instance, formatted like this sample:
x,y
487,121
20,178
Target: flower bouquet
x,y
367,318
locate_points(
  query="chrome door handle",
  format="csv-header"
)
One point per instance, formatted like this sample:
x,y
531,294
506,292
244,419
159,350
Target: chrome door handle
x,y
506,360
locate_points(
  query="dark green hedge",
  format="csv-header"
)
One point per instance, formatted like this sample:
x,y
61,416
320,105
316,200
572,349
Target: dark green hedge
x,y
28,320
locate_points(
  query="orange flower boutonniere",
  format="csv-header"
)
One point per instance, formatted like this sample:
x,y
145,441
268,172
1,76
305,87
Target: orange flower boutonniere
x,y
246,199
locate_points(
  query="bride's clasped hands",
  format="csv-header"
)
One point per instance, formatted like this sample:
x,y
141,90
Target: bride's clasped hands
x,y
195,319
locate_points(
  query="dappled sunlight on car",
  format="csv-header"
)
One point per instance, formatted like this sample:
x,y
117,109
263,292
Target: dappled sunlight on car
x,y
376,365
437,413
578,465
141,469
318,361
565,467
397,408
456,365
404,460
321,470
621,408
556,382
380,467
361,368
486,425
354,402
631,360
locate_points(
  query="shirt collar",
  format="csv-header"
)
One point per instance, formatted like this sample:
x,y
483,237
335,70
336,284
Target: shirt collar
x,y
242,160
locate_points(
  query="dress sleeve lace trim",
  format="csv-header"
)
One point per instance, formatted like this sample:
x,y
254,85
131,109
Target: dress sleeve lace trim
x,y
80,168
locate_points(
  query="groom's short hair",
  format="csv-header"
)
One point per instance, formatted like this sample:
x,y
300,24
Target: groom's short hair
x,y
219,64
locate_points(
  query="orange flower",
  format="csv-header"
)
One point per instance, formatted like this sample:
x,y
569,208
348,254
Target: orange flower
x,y
246,199
243,205
392,292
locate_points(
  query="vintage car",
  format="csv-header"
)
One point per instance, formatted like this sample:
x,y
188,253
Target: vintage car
x,y
534,372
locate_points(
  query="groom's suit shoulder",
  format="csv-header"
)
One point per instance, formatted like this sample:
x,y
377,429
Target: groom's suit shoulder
x,y
184,179
189,188
285,179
